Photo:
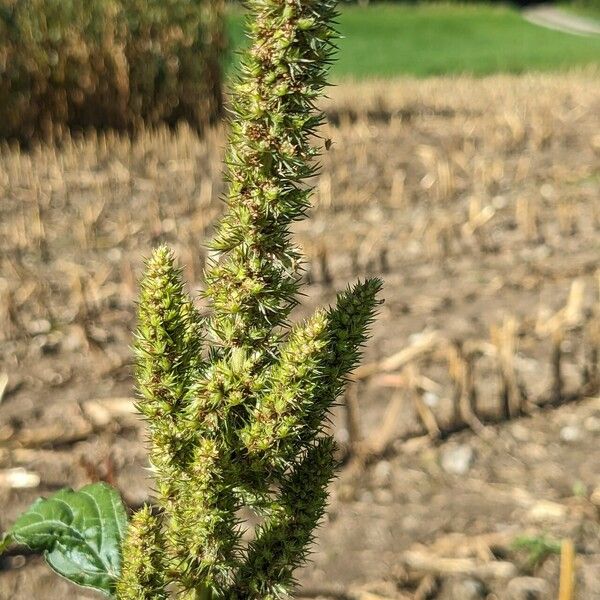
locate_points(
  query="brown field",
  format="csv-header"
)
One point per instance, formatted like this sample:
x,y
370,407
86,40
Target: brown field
x,y
477,416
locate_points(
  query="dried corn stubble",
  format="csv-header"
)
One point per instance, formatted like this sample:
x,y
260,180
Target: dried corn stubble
x,y
525,254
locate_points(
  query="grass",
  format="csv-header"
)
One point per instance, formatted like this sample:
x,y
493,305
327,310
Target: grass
x,y
387,40
536,548
583,10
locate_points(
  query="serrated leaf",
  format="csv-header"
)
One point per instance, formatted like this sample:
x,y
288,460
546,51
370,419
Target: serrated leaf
x,y
80,534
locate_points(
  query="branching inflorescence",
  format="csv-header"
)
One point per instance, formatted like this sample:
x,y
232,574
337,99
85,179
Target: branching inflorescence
x,y
237,402
244,427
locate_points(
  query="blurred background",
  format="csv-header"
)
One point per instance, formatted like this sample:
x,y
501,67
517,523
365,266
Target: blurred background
x,y
464,169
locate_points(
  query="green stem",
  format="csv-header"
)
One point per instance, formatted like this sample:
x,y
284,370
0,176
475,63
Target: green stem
x,y
203,593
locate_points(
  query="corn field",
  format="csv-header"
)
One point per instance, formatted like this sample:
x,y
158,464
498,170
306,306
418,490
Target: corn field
x,y
75,65
476,200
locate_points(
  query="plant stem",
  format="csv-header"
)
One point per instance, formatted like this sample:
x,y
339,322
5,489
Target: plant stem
x,y
203,593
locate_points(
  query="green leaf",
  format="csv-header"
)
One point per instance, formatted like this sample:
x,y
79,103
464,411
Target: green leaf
x,y
80,534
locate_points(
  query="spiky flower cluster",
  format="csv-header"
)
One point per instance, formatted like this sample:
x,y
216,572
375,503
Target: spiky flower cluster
x,y
237,402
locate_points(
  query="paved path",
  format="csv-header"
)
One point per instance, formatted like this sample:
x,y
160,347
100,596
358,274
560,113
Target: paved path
x,y
551,17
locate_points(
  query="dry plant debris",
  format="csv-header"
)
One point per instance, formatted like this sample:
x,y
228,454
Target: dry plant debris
x,y
478,201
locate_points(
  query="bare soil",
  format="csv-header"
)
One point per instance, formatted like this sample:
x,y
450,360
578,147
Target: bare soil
x,y
478,203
